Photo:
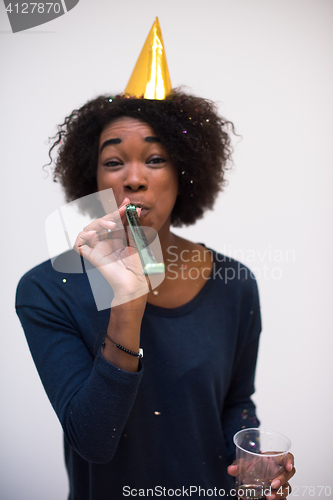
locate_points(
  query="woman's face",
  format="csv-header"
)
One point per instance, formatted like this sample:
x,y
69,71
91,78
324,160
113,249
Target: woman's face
x,y
133,162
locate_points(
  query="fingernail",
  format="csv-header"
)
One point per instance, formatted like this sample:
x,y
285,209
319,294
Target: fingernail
x,y
276,484
290,467
125,200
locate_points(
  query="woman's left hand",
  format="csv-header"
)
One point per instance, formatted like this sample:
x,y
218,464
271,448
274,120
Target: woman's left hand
x,y
280,486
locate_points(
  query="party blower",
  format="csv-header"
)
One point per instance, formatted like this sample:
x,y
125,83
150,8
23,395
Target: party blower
x,y
149,264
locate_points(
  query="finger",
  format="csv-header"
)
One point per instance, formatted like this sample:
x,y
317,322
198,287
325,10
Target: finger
x,y
282,479
290,462
232,470
86,238
101,224
118,217
85,242
288,473
280,493
125,201
109,221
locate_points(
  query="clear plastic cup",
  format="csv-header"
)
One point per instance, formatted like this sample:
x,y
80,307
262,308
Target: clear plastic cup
x,y
261,457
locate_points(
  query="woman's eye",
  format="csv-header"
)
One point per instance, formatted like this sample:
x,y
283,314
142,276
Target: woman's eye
x,y
112,163
156,161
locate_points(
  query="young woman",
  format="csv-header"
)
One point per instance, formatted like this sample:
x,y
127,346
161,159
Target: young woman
x,y
161,425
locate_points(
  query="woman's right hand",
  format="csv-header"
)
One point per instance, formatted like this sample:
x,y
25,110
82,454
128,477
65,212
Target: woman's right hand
x,y
102,243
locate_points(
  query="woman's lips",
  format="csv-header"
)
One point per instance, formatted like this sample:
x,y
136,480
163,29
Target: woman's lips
x,y
144,210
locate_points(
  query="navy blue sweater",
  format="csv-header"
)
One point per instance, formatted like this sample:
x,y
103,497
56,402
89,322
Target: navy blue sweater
x,y
170,425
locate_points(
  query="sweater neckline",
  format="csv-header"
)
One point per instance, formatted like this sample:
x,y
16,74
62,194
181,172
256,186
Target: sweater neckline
x,y
189,306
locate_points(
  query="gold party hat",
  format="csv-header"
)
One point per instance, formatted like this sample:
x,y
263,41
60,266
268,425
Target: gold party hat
x,y
150,78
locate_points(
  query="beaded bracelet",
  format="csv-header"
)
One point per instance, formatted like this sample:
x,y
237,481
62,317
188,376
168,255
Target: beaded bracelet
x,y
132,353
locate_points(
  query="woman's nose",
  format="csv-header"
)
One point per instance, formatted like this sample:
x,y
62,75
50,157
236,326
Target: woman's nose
x,y
135,178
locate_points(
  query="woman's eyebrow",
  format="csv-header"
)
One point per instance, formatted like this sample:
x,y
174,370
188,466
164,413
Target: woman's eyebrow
x,y
117,140
110,141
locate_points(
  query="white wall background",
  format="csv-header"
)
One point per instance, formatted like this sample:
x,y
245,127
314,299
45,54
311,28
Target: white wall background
x,y
269,64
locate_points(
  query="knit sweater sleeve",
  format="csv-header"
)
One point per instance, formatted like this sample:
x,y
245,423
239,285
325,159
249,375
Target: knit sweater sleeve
x,y
239,410
92,398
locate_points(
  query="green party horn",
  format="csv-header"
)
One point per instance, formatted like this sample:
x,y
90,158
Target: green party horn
x,y
149,264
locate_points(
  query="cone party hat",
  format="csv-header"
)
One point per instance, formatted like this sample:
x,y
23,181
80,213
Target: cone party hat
x,y
150,78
